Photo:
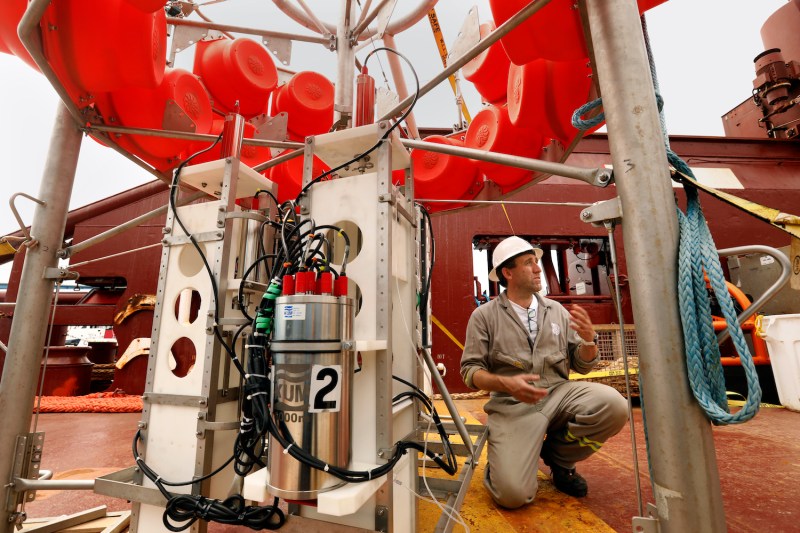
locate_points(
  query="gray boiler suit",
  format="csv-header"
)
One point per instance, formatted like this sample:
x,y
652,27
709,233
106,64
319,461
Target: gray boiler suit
x,y
577,417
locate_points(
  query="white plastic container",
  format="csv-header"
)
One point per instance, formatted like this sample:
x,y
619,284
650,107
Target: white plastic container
x,y
782,334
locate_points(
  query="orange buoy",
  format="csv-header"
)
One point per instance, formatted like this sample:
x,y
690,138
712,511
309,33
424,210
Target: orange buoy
x,y
543,95
107,45
492,130
489,70
442,176
308,99
289,176
180,96
239,70
11,12
148,6
554,32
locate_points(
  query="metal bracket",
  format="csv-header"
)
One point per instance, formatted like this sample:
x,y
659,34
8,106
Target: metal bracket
x,y
271,128
60,273
649,523
27,460
175,119
599,212
183,37
381,518
280,48
199,237
384,15
29,241
468,36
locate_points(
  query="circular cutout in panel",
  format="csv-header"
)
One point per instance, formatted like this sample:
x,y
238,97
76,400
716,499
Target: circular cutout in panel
x,y
187,306
337,242
189,261
354,292
182,357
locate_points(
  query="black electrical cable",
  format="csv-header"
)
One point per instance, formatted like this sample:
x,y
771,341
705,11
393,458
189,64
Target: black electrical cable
x,y
426,286
385,135
172,194
183,510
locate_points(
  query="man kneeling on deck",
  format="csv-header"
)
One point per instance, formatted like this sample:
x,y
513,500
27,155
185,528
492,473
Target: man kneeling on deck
x,y
520,346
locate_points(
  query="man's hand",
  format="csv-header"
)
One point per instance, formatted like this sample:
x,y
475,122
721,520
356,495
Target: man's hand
x,y
581,323
521,387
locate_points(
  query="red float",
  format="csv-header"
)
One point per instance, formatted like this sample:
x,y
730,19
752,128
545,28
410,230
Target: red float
x,y
441,176
554,32
289,176
543,95
11,12
492,130
308,100
96,39
180,95
239,70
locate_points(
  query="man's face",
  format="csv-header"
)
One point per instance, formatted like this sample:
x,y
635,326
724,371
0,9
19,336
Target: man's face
x,y
526,275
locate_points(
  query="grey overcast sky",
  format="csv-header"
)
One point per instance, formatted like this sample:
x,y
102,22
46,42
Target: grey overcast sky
x,y
703,49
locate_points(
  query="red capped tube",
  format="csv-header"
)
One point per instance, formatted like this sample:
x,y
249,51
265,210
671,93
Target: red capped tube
x,y
325,283
305,283
288,285
340,286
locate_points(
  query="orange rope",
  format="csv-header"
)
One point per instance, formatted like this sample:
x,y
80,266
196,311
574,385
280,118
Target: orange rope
x,y
99,402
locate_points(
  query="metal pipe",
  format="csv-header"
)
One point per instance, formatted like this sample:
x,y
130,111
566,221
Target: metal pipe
x,y
345,68
362,25
399,25
69,251
485,43
783,279
318,23
364,11
28,328
592,176
29,241
275,161
497,202
448,401
400,82
680,445
21,484
171,134
242,29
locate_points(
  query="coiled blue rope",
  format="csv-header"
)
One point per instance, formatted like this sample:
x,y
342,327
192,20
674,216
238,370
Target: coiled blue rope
x,y
697,254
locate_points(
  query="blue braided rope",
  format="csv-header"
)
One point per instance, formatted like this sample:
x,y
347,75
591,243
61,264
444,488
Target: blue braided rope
x,y
697,255
583,125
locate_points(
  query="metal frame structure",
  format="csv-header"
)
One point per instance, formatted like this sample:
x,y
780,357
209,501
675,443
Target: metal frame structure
x,y
685,497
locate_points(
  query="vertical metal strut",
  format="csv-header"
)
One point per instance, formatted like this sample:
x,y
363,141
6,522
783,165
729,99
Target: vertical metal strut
x,y
683,463
18,384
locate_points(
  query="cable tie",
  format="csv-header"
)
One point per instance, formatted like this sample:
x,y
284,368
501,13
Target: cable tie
x,y
369,475
157,479
253,346
256,394
286,451
326,467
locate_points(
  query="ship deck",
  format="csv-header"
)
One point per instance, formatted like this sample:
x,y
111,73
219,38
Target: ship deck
x,y
759,466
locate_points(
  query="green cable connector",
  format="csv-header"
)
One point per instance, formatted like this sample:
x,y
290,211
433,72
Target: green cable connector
x,y
266,311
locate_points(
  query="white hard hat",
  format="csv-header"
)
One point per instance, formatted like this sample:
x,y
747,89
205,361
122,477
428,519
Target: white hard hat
x,y
509,248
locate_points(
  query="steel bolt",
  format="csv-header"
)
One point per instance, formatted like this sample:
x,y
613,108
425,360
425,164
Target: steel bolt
x,y
166,230
585,215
